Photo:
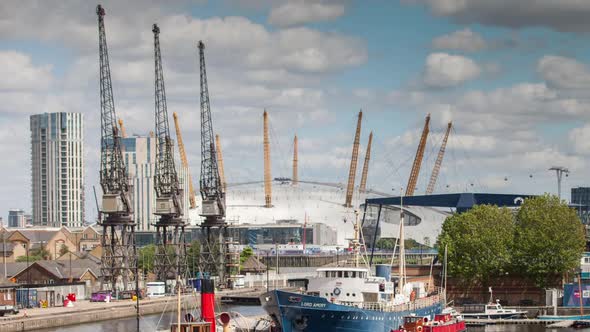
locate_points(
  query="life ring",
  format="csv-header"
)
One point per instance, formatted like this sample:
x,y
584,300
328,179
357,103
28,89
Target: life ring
x,y
337,291
419,329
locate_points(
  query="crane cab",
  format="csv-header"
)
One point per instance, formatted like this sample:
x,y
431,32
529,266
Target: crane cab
x,y
112,203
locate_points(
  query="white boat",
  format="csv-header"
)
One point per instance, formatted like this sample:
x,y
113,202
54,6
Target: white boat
x,y
491,311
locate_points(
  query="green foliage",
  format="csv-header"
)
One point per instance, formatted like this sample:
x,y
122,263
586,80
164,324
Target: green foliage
x,y
549,238
245,254
385,243
63,249
389,243
193,253
146,257
37,254
545,239
478,242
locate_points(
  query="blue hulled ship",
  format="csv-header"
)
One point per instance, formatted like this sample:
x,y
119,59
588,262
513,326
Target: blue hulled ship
x,y
349,299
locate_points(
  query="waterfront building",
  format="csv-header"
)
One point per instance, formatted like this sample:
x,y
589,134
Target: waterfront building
x,y
16,218
139,154
57,169
15,242
581,202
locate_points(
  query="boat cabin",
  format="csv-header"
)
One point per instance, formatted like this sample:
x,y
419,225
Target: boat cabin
x,y
350,286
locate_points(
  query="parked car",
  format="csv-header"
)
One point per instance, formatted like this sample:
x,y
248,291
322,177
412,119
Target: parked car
x,y
101,296
8,309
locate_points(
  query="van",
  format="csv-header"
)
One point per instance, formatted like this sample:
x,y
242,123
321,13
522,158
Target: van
x,y
156,289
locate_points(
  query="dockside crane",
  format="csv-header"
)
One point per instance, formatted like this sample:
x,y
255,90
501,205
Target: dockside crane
x,y
438,162
170,256
413,180
192,200
118,247
213,228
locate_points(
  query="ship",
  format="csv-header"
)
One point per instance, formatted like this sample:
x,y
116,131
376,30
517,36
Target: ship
x,y
351,298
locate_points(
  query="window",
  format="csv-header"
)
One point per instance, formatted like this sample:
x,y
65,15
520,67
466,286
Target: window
x,y
339,274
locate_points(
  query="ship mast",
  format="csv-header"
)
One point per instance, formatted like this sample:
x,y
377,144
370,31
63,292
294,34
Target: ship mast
x,y
402,248
355,240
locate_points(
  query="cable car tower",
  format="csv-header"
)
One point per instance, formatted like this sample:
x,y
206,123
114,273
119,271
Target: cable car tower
x,y
118,228
170,257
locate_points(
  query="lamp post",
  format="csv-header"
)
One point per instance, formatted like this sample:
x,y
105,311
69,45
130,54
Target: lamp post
x,y
28,275
580,291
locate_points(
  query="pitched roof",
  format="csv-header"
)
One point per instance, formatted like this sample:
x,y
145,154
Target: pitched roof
x,y
253,264
66,269
13,269
38,236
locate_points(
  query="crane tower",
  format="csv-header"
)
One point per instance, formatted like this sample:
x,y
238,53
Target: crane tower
x,y
214,249
118,247
170,257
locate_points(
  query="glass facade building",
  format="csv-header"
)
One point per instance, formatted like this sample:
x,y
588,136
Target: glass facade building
x,y
139,154
581,202
57,169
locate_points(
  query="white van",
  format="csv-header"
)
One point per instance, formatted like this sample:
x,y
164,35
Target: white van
x,y
156,289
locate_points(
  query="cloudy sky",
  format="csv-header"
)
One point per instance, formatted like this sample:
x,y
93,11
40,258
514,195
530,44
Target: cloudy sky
x,y
513,76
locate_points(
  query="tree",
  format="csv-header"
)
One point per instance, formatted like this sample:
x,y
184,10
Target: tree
x,y
385,243
37,254
146,257
478,242
549,239
63,249
245,254
193,253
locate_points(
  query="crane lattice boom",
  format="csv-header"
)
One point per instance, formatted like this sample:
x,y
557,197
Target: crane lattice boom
x,y
113,175
166,178
210,182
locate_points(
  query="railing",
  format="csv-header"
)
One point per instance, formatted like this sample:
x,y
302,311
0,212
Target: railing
x,y
409,306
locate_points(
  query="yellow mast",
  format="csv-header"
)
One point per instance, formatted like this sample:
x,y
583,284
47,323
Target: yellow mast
x,y
267,176
220,163
123,132
413,180
363,185
353,162
439,159
184,161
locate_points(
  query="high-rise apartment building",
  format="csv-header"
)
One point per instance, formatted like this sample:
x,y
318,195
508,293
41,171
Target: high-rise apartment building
x,y
139,153
16,218
57,169
581,203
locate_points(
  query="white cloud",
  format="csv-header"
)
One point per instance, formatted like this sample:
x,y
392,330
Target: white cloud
x,y
461,40
298,12
443,70
18,73
565,73
579,138
562,15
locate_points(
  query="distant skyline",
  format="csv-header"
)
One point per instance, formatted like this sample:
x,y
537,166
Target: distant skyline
x,y
513,76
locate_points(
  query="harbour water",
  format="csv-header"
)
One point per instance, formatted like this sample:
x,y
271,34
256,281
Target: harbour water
x,y
162,321
147,323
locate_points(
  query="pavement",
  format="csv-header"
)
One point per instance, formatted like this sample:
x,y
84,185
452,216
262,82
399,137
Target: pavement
x,y
87,306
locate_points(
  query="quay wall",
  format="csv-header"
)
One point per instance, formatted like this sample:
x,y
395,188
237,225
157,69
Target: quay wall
x,y
121,310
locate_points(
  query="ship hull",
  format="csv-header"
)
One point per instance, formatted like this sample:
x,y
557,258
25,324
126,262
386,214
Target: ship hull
x,y
293,312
